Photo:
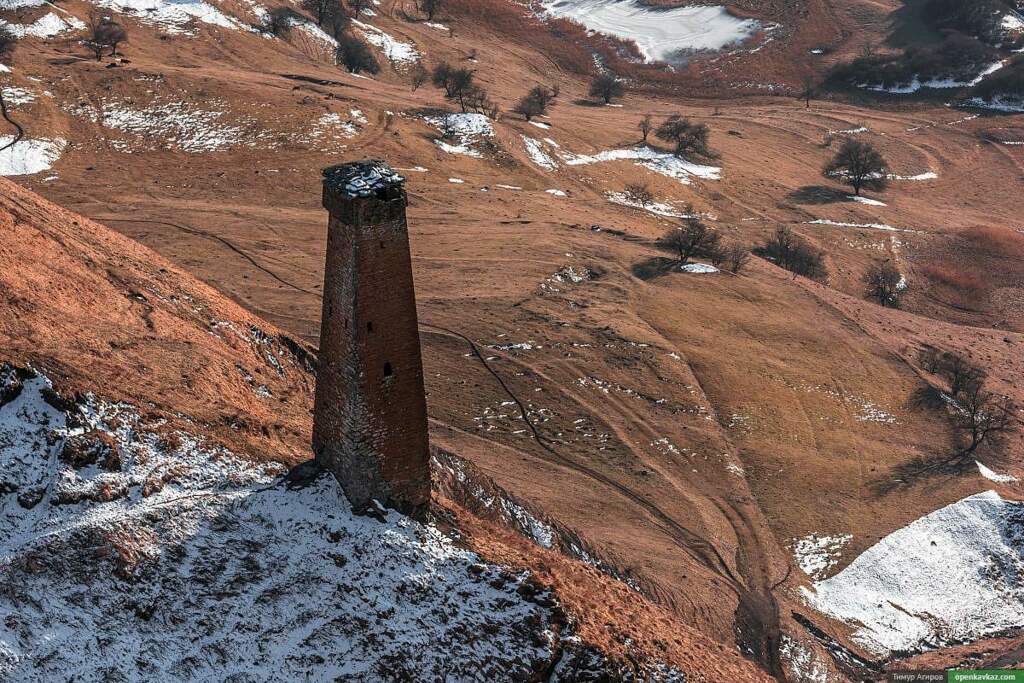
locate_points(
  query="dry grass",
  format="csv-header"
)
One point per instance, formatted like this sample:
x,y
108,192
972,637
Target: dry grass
x,y
995,241
952,276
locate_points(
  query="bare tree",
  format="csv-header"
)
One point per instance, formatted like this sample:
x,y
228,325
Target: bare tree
x,y
693,238
279,21
645,126
431,7
607,87
357,6
535,102
883,283
320,9
336,22
459,86
105,33
355,55
686,137
960,373
980,417
638,193
736,257
859,165
8,41
418,75
808,89
451,79
792,252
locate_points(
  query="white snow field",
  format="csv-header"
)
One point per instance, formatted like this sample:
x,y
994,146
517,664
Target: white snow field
x,y
26,157
132,553
661,34
954,575
467,129
173,16
46,26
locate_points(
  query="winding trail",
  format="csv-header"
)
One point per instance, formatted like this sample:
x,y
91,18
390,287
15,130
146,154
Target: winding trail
x,y
20,132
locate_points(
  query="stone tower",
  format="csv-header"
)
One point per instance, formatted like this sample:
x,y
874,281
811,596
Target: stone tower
x,y
370,416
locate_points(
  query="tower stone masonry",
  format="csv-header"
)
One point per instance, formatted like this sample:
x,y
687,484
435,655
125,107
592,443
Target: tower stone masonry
x,y
370,414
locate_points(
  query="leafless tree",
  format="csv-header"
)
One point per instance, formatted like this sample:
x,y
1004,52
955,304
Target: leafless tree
x,y
8,41
686,137
792,252
355,55
808,89
279,21
981,417
320,9
451,79
336,21
883,283
418,75
958,372
693,238
859,165
645,126
607,87
535,102
736,257
105,33
357,6
431,8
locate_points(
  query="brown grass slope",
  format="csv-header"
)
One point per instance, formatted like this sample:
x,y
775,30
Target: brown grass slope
x,y
99,313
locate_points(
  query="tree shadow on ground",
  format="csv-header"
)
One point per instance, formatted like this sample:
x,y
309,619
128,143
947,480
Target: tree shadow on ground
x,y
919,469
817,194
653,267
587,103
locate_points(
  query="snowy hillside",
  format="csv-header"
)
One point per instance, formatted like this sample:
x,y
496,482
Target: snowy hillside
x,y
952,576
129,549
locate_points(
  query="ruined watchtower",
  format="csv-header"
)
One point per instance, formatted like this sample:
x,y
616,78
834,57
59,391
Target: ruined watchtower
x,y
370,417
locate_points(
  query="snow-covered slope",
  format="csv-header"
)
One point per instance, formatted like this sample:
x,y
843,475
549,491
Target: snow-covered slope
x,y
954,575
125,548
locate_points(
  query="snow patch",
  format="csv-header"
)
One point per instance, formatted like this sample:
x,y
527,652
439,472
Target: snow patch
x,y
26,157
395,50
663,163
865,200
173,16
954,575
698,268
817,553
17,96
994,476
228,573
657,208
46,26
661,34
466,128
538,155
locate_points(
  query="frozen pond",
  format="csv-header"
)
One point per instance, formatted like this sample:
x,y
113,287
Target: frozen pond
x,y
661,34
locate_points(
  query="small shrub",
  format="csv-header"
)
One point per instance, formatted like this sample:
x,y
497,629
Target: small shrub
x,y
638,193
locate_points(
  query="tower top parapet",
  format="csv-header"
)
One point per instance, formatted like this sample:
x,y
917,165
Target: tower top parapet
x,y
366,178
